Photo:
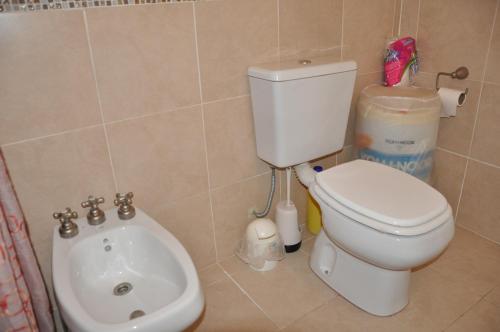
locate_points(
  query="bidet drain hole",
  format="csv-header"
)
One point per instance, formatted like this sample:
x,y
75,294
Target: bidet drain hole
x,y
136,314
122,289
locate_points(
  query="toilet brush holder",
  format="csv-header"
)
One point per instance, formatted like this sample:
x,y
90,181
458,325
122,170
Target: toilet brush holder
x,y
288,225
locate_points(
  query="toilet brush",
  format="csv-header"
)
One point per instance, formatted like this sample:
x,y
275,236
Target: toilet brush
x,y
287,219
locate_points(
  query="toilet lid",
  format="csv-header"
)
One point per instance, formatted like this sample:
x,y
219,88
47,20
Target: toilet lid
x,y
382,193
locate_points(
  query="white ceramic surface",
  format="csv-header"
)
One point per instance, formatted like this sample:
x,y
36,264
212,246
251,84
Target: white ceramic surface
x,y
300,111
87,267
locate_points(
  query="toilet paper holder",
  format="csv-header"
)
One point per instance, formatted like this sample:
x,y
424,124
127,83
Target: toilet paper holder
x,y
460,73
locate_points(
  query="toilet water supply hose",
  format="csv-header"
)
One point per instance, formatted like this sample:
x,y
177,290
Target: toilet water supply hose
x,y
270,196
304,172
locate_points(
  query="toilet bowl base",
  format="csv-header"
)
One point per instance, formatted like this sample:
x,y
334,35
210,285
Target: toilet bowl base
x,y
379,291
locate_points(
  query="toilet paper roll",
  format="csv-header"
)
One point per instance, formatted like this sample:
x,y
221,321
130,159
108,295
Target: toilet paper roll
x,y
451,99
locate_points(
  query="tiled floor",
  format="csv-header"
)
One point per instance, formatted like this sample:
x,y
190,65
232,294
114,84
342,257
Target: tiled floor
x,y
460,291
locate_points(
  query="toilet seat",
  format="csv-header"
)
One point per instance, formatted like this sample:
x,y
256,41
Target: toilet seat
x,y
382,198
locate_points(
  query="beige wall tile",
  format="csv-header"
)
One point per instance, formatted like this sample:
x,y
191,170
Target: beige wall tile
x,y
493,65
362,81
232,206
479,204
347,154
367,27
397,16
448,174
455,133
232,35
228,309
47,83
56,172
145,58
230,134
455,33
486,143
310,28
298,289
190,221
409,18
160,158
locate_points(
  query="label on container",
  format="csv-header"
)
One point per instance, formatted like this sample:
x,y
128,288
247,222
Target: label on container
x,y
418,165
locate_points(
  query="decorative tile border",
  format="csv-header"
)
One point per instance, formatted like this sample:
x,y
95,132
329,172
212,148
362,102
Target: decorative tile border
x,y
7,6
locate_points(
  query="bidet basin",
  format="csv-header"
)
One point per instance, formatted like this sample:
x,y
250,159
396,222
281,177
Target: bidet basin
x,y
125,275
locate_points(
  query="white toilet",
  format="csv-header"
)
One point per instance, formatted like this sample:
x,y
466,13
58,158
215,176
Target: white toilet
x,y
378,222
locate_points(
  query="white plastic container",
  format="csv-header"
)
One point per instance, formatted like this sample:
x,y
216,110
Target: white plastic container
x,y
398,127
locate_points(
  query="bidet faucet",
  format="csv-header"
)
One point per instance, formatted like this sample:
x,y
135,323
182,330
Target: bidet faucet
x,y
68,228
95,216
124,202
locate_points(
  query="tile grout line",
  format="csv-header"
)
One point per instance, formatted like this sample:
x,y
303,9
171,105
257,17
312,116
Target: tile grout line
x,y
342,32
478,108
224,99
94,73
468,157
75,130
278,19
418,19
308,312
210,200
394,16
240,181
461,190
478,234
469,308
137,117
247,294
400,17
483,76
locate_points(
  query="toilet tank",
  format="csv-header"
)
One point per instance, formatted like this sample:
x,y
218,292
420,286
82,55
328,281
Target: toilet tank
x,y
300,108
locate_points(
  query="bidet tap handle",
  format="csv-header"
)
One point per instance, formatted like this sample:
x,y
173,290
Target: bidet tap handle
x,y
65,216
68,228
124,199
124,203
93,202
95,216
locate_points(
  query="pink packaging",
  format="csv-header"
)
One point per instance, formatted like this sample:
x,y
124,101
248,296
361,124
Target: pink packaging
x,y
401,58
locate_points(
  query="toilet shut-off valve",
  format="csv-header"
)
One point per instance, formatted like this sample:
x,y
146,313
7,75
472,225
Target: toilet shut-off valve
x,y
68,228
95,216
124,202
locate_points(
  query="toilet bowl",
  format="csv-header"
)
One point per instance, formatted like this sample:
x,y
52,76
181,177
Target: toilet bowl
x,y
378,224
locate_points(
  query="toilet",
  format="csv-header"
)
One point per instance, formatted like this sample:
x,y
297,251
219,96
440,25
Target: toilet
x,y
378,222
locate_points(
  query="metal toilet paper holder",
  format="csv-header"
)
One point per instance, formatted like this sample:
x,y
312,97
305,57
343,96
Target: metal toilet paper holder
x,y
460,73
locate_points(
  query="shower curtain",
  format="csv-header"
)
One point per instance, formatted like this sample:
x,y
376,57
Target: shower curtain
x,y
24,305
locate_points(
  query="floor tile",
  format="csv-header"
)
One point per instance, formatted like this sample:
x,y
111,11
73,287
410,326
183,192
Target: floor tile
x,y
286,293
210,275
339,315
484,317
228,309
435,302
493,297
308,244
471,260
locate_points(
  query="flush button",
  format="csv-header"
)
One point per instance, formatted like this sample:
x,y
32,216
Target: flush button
x,y
305,62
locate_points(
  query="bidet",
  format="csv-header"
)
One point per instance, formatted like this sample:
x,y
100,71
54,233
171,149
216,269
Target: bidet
x,y
125,275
